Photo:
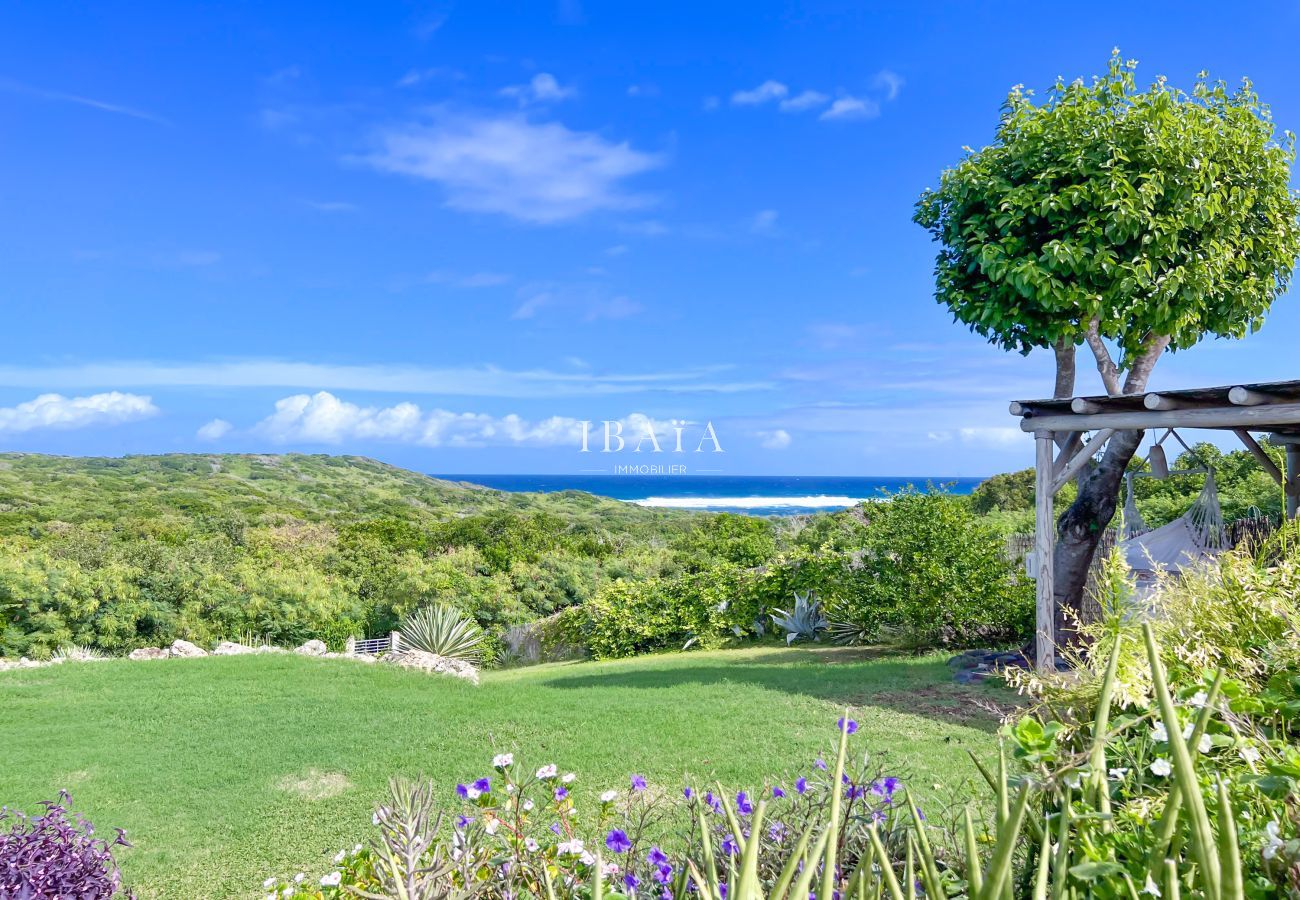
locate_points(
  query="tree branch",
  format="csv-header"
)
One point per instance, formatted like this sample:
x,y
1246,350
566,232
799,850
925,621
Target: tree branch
x,y
1065,368
1140,371
1105,365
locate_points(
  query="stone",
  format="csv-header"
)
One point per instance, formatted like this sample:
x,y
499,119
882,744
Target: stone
x,y
186,650
230,648
313,648
432,662
148,653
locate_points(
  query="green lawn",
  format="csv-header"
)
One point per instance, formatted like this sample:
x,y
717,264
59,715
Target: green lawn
x,y
224,770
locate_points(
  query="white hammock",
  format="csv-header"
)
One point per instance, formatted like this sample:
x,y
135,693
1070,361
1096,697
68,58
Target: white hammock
x,y
1196,535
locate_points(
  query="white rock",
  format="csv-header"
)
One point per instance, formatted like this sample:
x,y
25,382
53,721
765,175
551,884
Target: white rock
x,y
148,653
313,648
431,662
186,649
230,648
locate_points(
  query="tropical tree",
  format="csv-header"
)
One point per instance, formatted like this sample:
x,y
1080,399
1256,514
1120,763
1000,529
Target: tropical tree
x,y
1131,221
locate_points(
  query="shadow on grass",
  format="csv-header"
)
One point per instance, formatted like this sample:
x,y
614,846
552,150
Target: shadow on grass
x,y
847,676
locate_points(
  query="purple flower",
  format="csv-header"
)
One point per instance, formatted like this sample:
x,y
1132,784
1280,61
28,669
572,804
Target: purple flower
x,y
555,827
462,822
820,764
801,785
722,890
854,791
885,787
847,725
729,845
631,881
617,841
777,793
688,793
743,805
483,784
776,831
462,791
638,783
561,793
663,873
878,817
713,802
656,857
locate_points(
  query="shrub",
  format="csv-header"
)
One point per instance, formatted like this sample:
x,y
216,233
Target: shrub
x,y
54,856
444,631
936,576
804,620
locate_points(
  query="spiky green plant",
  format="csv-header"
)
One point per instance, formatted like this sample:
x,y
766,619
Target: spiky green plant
x,y
804,620
77,653
442,630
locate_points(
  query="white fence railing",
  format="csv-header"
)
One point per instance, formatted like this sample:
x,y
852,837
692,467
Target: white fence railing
x,y
374,646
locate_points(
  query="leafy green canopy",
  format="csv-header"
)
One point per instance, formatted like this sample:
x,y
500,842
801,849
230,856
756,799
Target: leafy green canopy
x,y
1153,213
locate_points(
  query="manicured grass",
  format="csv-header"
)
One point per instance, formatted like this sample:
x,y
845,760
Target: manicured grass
x,y
224,770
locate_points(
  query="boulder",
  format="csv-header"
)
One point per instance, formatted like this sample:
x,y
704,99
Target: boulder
x,y
186,650
432,662
148,653
313,648
230,648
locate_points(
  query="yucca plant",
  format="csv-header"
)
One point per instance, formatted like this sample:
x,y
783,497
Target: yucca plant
x,y
804,620
444,631
78,653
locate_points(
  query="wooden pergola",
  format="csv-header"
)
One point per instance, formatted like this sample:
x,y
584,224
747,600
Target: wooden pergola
x,y
1272,407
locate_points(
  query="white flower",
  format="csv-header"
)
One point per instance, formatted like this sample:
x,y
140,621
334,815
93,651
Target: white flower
x,y
568,778
608,796
1161,767
1206,745
490,826
297,879
340,856
1198,700
1249,754
1073,780
1274,841
1118,774
288,892
570,811
570,848
531,845
587,858
472,793
333,879
1151,887
609,869
1187,732
510,788
270,882
503,760
1159,732
356,849
528,806
547,771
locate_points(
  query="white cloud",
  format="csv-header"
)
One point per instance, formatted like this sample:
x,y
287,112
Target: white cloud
x,y
778,439
332,206
804,101
323,418
59,412
616,250
846,108
764,222
835,335
473,280
543,88
537,172
709,104
214,430
992,437
647,89
766,92
11,86
590,303
470,381
890,82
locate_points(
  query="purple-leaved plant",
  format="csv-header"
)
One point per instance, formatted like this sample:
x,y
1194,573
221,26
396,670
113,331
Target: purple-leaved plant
x,y
52,855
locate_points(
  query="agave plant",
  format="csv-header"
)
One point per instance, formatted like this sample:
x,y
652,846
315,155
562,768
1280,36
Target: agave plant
x,y
78,653
805,620
444,631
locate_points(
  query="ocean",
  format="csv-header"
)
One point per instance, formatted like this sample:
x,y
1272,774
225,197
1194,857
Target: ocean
x,y
759,495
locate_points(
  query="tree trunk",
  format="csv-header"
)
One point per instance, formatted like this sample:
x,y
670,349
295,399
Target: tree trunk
x,y
1080,528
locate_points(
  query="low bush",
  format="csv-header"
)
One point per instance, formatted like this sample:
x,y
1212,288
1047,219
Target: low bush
x,y
52,855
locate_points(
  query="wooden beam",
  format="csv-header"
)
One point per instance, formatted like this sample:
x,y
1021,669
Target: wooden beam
x,y
1044,547
1017,408
1085,407
1257,418
1080,459
1263,458
1293,481
1069,442
1241,396
1160,401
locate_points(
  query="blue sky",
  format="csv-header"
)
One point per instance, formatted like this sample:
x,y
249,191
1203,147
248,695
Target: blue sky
x,y
441,235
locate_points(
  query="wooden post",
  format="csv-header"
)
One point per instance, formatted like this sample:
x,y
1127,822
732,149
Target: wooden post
x,y
1292,481
1044,546
350,647
395,641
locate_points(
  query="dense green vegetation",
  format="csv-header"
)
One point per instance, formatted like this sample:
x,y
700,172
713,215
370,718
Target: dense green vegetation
x,y
227,769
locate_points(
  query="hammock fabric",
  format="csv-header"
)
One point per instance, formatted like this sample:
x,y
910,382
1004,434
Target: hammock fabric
x,y
1196,535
